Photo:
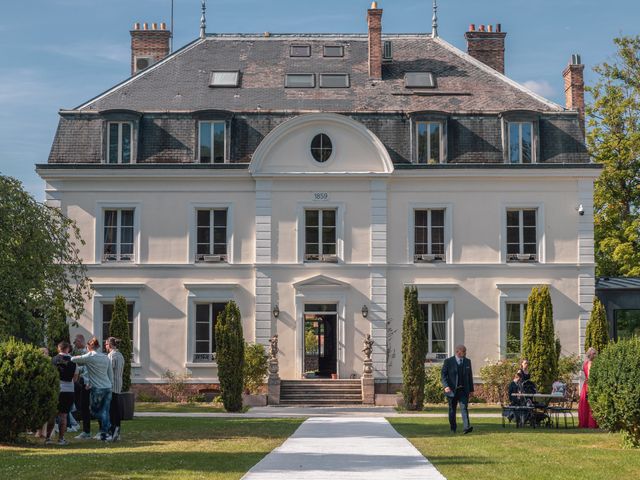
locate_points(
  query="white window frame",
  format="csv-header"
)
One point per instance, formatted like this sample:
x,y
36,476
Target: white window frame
x,y
99,231
533,142
193,233
301,224
105,294
199,293
224,153
211,322
428,320
131,148
441,293
540,231
448,230
523,312
417,140
511,293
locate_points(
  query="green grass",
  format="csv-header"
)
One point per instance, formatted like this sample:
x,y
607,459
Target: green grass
x,y
437,408
494,453
167,448
178,407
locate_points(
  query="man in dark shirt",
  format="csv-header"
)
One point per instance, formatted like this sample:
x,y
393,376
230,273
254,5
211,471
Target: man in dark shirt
x,y
457,380
67,371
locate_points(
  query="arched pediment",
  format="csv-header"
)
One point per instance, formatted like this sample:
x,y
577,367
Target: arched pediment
x,y
287,149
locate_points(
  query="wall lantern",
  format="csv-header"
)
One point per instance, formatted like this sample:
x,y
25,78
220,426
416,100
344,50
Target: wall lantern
x,y
365,311
276,311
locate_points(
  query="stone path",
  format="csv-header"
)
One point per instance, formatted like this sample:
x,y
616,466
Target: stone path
x,y
345,448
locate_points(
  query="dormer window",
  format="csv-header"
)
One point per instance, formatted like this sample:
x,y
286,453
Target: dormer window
x,y
419,80
225,79
429,142
520,142
212,142
119,142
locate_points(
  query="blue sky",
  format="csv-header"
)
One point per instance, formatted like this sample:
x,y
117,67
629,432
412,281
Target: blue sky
x,y
58,53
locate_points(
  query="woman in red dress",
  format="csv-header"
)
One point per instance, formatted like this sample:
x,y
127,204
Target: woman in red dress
x,y
585,417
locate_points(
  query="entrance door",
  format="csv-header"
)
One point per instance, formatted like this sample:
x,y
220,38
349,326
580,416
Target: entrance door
x,y
320,340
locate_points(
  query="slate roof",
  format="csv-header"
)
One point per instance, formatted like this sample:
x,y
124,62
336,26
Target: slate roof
x,y
619,283
181,81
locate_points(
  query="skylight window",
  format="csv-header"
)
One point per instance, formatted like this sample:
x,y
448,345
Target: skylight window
x,y
224,79
333,51
300,51
300,80
419,80
334,80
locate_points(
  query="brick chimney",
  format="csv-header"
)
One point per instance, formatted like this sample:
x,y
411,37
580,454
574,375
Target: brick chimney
x,y
374,21
574,86
148,45
487,45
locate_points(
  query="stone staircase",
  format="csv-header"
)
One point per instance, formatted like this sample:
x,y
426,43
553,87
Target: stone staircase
x,y
320,392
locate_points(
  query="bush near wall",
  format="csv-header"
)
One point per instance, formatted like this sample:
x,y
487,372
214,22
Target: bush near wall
x,y
256,367
614,389
29,386
433,388
496,377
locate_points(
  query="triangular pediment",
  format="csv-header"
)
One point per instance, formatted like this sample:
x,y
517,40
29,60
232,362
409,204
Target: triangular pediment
x,y
320,281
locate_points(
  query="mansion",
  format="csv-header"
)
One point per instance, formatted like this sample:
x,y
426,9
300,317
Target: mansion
x,y
310,178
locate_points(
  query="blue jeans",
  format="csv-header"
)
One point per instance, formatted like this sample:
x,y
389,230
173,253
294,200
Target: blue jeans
x,y
100,402
463,399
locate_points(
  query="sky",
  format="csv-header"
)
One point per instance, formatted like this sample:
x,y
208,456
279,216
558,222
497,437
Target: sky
x,y
56,54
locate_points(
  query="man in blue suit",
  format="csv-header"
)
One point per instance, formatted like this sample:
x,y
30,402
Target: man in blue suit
x,y
457,379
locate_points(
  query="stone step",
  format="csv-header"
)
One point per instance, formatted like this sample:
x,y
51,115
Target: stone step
x,y
318,403
321,395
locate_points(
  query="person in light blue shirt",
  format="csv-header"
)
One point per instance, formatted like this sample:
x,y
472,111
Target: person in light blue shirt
x,y
100,377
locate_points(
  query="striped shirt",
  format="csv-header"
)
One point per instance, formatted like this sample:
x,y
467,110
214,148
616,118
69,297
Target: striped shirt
x,y
117,364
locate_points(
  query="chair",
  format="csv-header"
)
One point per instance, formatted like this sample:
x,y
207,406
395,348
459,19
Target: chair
x,y
564,408
520,414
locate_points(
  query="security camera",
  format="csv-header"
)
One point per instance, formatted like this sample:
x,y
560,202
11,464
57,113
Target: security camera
x,y
580,210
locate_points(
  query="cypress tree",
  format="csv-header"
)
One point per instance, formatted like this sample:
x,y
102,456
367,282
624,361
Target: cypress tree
x,y
230,356
414,350
119,328
597,334
530,335
57,328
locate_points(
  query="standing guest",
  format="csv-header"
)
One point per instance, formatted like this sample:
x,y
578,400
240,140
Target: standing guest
x,y
524,369
67,371
585,417
457,379
101,381
82,389
117,365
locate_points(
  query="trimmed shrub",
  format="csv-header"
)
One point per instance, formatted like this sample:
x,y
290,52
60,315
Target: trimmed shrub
x,y
29,386
230,356
433,389
256,367
177,385
57,328
496,377
614,389
414,351
597,334
119,328
538,343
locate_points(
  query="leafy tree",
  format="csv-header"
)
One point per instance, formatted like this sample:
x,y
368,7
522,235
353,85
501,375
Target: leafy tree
x,y
230,356
539,344
597,334
119,328
39,262
57,328
614,141
414,350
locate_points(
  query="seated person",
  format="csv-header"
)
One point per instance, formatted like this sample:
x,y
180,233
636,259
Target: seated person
x,y
516,387
558,388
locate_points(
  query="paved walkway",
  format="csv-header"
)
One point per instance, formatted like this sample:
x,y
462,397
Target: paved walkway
x,y
345,448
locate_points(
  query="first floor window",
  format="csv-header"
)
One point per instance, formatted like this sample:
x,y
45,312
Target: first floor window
x,y
211,235
514,327
118,235
320,235
520,142
435,327
626,324
429,235
119,142
211,145
429,136
206,317
522,241
107,314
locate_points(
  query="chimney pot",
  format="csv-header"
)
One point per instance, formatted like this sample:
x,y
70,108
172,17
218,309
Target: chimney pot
x,y
163,26
472,27
498,27
482,28
145,26
374,5
154,26
490,27
136,26
487,45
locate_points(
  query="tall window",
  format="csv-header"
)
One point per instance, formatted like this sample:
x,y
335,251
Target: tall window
x,y
429,235
435,327
522,243
107,314
520,142
212,142
320,235
514,328
211,235
429,136
118,235
206,317
119,142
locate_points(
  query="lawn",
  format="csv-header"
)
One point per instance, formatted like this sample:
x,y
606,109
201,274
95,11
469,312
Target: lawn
x,y
494,453
439,408
178,407
152,448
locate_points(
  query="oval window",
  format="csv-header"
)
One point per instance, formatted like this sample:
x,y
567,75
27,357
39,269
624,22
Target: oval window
x,y
321,148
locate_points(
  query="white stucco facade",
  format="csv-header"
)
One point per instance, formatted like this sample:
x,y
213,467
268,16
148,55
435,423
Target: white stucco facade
x,y
374,204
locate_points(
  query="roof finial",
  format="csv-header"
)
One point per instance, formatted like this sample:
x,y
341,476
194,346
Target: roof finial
x,y
434,24
203,20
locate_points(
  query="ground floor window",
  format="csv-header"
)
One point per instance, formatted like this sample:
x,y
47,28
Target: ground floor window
x,y
626,324
107,314
206,317
435,326
515,325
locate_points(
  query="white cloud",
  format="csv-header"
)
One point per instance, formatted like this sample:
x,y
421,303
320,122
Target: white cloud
x,y
541,87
